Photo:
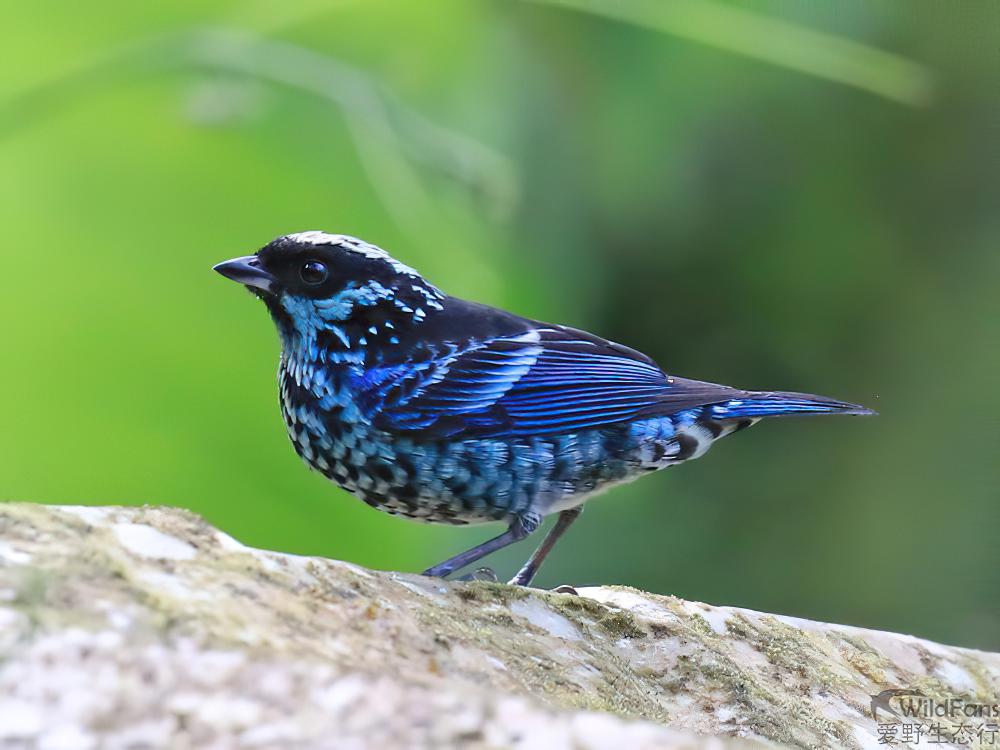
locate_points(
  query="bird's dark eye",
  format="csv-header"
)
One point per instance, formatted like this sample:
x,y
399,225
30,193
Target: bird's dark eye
x,y
313,272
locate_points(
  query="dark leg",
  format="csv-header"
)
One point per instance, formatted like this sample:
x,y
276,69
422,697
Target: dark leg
x,y
519,528
527,572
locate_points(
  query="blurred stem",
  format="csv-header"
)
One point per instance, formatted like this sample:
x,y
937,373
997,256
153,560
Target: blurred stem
x,y
386,133
772,40
361,104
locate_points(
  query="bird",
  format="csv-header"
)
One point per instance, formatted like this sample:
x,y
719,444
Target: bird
x,y
449,411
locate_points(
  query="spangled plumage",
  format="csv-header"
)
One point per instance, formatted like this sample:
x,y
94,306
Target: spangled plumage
x,y
450,411
547,380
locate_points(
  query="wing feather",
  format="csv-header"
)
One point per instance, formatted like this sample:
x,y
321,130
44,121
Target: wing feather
x,y
544,381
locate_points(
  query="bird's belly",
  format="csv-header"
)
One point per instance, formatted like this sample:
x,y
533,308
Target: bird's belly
x,y
495,479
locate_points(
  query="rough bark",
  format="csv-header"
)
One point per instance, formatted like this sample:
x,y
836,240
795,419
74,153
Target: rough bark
x,y
146,627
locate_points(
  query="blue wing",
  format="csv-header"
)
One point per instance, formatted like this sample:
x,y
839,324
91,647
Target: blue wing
x,y
543,381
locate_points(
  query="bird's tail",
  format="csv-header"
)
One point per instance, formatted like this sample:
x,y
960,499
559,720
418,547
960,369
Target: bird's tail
x,y
758,404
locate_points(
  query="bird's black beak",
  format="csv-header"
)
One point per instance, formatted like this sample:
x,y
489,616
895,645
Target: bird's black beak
x,y
247,271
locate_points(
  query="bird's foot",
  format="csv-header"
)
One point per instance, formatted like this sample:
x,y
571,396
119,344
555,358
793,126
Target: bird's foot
x,y
524,575
565,589
481,574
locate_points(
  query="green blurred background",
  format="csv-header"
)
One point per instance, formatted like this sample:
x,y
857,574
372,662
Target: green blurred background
x,y
792,195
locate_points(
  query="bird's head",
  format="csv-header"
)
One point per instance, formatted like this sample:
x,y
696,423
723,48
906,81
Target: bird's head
x,y
331,293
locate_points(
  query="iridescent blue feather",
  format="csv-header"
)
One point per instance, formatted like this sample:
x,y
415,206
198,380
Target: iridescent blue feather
x,y
451,411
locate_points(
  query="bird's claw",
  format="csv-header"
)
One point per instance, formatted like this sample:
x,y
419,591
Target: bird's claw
x,y
481,574
565,589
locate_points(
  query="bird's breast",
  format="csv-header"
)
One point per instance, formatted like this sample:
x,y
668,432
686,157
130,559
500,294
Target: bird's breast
x,y
471,480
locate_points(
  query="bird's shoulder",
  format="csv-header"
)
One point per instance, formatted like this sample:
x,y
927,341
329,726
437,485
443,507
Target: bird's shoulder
x,y
478,371
463,323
